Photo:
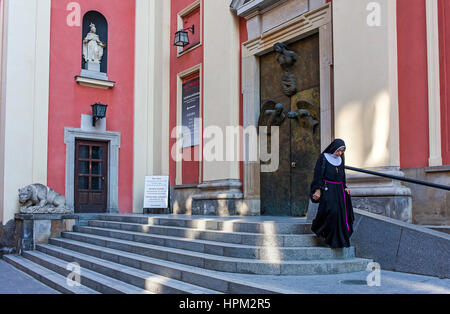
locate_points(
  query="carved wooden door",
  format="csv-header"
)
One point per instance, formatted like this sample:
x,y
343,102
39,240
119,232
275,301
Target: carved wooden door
x,y
91,176
285,192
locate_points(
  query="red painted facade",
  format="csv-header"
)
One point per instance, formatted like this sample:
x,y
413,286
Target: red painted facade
x,y
179,64
444,51
412,83
68,100
192,20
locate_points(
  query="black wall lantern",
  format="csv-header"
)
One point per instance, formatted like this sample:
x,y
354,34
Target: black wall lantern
x,y
182,37
98,112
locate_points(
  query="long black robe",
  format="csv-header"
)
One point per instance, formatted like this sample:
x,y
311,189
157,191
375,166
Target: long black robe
x,y
334,220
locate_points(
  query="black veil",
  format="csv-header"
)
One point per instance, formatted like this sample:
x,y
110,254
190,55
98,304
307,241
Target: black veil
x,y
334,146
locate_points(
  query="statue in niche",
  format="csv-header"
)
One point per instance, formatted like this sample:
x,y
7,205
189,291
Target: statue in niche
x,y
287,59
40,199
93,49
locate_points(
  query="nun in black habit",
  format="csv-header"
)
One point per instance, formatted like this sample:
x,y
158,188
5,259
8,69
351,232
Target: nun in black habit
x,y
334,220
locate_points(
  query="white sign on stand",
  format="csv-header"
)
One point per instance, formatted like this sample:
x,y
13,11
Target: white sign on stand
x,y
156,192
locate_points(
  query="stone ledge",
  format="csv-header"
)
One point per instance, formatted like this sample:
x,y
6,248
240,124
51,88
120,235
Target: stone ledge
x,y
185,186
96,83
218,196
445,168
221,184
374,191
444,229
45,216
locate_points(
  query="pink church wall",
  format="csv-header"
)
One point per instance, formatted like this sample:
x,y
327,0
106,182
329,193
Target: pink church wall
x,y
68,100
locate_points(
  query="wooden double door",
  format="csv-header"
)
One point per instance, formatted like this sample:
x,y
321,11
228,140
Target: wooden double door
x,y
285,192
91,176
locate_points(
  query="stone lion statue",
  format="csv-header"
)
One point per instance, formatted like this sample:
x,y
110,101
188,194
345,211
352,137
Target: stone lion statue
x,y
40,199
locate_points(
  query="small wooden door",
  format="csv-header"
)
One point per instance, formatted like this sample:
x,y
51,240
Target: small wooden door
x,y
91,181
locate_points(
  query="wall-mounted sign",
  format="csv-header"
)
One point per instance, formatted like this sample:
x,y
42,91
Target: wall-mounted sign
x,y
190,112
156,193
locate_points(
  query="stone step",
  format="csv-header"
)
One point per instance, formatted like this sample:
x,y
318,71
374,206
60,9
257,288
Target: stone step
x,y
46,276
94,280
110,260
228,224
223,249
77,242
244,238
137,281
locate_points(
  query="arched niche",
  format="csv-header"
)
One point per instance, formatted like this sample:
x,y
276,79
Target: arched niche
x,y
101,25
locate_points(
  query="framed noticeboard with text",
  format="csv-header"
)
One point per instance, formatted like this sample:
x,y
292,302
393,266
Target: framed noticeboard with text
x,y
190,112
156,195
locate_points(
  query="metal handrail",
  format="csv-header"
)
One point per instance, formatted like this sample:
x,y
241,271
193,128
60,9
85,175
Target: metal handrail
x,y
433,185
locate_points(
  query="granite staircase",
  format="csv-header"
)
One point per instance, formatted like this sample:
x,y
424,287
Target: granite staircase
x,y
154,254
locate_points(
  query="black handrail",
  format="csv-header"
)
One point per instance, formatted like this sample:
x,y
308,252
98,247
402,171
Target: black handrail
x,y
433,185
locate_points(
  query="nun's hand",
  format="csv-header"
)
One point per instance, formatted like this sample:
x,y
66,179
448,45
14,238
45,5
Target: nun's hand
x,y
349,192
317,195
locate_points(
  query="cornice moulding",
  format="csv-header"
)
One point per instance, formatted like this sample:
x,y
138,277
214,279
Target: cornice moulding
x,y
299,26
246,9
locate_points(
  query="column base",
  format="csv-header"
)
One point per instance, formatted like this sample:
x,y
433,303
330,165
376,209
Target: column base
x,y
218,198
380,195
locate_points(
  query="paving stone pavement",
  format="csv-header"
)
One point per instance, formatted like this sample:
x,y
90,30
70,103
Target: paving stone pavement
x,y
13,281
355,283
